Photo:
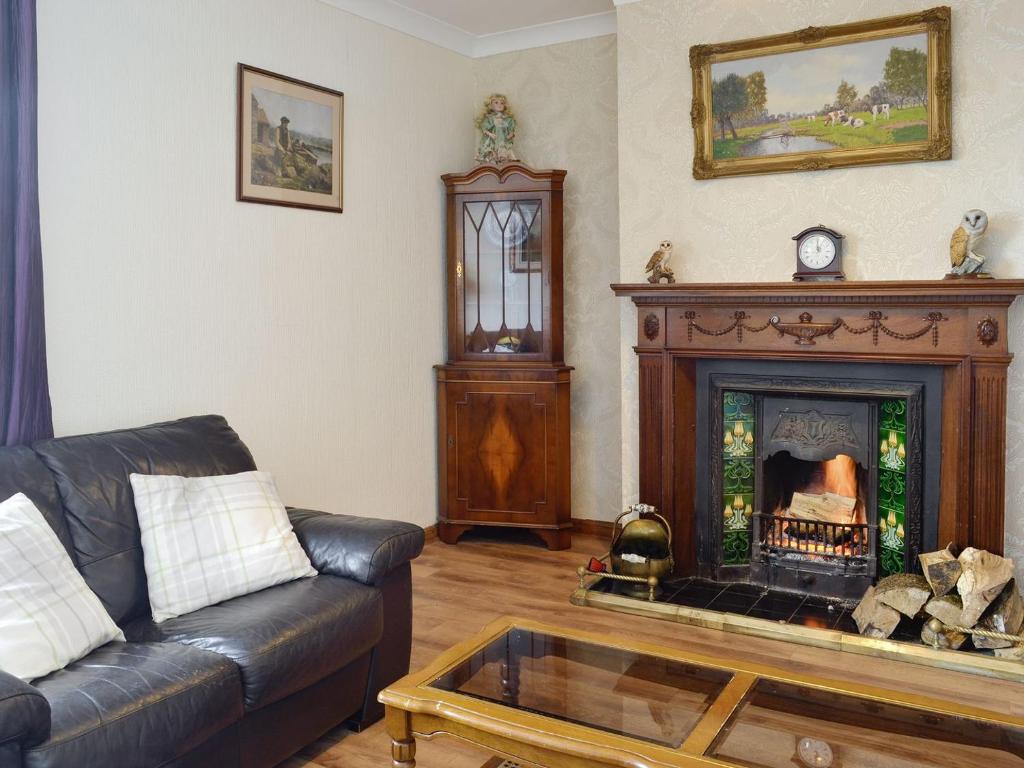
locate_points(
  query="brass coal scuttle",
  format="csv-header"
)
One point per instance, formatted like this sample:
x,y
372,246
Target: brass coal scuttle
x,y
640,553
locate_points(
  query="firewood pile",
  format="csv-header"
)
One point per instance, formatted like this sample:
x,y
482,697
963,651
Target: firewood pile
x,y
973,596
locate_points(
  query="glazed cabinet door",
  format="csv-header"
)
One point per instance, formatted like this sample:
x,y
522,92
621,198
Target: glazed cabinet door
x,y
500,450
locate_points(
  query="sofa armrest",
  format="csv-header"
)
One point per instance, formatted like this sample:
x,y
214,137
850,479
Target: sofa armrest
x,y
361,548
24,713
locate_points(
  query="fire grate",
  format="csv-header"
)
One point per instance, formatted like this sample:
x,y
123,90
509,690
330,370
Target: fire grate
x,y
784,535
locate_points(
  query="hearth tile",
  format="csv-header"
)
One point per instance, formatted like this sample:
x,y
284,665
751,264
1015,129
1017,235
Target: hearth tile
x,y
815,613
742,588
776,606
696,594
738,601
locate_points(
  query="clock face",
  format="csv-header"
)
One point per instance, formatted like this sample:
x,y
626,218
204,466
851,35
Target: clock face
x,y
817,251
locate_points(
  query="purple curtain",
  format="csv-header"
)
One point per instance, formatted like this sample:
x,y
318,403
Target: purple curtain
x,y
24,392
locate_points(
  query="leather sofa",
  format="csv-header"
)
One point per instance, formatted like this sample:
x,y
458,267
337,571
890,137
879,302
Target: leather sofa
x,y
244,683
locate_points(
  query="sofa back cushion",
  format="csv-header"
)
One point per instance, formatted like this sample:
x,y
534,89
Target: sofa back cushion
x,y
91,473
21,471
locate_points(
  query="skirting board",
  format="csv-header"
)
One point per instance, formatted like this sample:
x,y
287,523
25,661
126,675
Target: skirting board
x,y
602,528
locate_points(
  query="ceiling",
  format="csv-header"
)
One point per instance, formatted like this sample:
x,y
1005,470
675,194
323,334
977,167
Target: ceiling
x,y
488,17
486,27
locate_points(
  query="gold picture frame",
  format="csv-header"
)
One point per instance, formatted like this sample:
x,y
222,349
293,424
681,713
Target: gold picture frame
x,y
750,150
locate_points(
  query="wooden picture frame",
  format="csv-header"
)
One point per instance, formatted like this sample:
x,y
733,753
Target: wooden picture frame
x,y
803,136
290,142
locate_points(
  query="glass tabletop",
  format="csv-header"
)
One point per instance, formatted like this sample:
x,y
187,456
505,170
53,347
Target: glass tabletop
x,y
781,725
615,690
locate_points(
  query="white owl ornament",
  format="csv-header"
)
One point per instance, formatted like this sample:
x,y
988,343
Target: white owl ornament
x,y
657,268
964,261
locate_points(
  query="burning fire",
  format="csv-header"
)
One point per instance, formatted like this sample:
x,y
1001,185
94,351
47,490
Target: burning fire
x,y
840,475
825,533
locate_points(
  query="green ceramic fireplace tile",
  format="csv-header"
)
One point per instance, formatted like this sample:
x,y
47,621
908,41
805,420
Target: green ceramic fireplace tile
x,y
737,481
892,485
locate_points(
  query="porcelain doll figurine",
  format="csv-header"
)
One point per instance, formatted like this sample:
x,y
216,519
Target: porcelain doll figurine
x,y
497,132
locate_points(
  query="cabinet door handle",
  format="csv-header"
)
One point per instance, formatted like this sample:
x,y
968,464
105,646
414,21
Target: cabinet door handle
x,y
451,441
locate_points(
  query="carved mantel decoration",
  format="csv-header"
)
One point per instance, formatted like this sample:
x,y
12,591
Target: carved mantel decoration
x,y
951,324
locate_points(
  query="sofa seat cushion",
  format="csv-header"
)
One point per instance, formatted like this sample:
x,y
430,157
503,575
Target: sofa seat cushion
x,y
284,638
137,703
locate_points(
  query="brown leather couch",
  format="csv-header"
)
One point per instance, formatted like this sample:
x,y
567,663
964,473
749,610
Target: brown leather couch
x,y
244,683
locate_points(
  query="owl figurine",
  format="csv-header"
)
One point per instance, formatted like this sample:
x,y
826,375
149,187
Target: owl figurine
x,y
657,266
962,257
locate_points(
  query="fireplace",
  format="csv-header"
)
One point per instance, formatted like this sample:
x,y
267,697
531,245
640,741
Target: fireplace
x,y
817,437
820,478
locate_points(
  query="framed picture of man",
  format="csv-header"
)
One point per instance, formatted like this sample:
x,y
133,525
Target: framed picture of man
x,y
290,141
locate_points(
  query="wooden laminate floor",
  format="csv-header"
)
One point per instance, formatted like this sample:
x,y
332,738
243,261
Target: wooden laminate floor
x,y
457,590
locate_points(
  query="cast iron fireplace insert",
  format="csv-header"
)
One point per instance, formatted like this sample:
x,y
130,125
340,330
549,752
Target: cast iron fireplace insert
x,y
815,478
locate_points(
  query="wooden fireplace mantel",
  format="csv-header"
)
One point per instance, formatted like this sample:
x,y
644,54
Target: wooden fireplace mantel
x,y
958,324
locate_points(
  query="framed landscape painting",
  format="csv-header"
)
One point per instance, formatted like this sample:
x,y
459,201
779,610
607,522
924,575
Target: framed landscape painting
x,y
290,141
824,97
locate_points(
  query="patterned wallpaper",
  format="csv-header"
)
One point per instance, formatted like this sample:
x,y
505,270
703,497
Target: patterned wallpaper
x,y
897,219
564,99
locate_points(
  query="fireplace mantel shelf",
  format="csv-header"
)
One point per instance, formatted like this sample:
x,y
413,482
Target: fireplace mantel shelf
x,y
961,292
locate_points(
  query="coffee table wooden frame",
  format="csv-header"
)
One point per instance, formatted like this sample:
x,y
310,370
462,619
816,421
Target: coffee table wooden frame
x,y
415,710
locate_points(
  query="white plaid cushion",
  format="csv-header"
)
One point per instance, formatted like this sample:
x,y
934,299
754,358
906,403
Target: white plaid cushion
x,y
207,539
48,615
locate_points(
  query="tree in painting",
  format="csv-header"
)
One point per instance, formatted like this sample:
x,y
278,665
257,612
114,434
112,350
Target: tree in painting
x,y
757,96
728,98
846,94
906,76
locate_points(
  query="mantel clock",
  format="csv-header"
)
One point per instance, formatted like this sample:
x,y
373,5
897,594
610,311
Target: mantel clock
x,y
503,395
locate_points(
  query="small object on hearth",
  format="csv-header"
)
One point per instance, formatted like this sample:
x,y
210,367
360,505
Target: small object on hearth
x,y
983,579
497,132
874,618
963,259
1005,615
906,592
942,570
596,566
642,548
938,635
657,266
819,254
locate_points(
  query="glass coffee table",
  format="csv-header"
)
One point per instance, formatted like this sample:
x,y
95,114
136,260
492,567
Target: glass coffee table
x,y
557,697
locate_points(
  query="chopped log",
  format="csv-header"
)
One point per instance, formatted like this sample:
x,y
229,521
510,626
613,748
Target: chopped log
x,y
875,619
823,508
946,608
941,569
906,592
1006,614
984,577
938,635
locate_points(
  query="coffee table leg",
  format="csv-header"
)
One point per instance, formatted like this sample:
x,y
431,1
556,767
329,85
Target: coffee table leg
x,y
403,753
403,744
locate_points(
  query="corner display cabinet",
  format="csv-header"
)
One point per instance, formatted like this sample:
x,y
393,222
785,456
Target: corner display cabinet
x,y
503,396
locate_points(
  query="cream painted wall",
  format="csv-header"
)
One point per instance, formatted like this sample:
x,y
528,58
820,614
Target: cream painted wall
x,y
314,333
564,98
897,219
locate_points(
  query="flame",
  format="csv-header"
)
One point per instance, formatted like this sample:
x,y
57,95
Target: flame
x,y
840,475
